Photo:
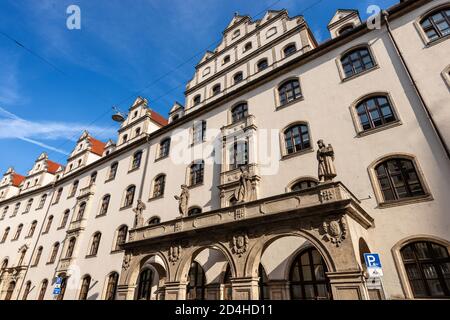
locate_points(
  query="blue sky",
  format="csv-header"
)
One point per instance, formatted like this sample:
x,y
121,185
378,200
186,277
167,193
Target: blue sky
x,y
124,49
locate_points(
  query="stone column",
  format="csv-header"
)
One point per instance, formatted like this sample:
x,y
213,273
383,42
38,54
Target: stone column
x,y
245,288
278,289
175,290
213,291
125,292
348,285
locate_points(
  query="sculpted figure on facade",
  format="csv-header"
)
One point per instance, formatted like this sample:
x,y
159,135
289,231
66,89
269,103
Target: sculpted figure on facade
x,y
139,216
325,157
243,192
174,253
183,200
239,244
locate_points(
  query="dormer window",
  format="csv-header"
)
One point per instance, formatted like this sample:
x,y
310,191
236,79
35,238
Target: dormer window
x,y
236,34
262,64
226,59
346,29
79,163
135,114
197,99
138,132
125,138
216,90
248,46
80,147
289,50
238,77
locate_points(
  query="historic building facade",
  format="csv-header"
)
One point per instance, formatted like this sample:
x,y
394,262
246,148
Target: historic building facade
x,y
289,160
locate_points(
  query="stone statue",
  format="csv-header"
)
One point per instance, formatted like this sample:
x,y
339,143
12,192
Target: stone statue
x,y
183,200
243,192
139,217
325,157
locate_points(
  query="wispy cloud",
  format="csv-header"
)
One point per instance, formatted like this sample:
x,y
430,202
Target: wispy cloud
x,y
14,127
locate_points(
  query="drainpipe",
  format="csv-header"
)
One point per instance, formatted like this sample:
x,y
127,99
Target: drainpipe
x,y
37,240
385,15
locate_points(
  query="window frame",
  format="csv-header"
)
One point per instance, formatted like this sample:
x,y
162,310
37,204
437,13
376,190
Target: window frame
x,y
241,78
193,179
283,51
296,98
294,182
422,33
164,145
360,46
134,165
284,152
162,186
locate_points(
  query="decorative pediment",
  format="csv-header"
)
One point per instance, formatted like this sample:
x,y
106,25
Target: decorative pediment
x,y
342,14
139,101
269,15
9,171
42,156
176,107
236,19
109,144
84,136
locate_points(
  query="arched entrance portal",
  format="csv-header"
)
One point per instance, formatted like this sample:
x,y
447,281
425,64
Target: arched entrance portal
x,y
151,279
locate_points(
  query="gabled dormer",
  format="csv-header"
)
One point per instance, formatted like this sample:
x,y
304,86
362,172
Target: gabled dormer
x,y
344,20
109,147
176,112
140,120
87,150
42,173
10,184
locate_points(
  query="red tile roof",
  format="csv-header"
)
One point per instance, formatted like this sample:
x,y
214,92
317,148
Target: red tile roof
x,y
97,146
17,179
52,167
159,119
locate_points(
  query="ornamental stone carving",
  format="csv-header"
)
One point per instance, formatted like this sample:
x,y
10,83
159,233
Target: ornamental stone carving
x,y
183,200
239,244
139,216
325,157
126,261
174,253
335,230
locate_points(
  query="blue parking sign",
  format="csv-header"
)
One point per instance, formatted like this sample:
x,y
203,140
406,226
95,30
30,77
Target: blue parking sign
x,y
372,260
56,291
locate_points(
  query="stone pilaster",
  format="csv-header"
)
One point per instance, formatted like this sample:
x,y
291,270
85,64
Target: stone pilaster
x,y
245,288
278,289
125,292
348,285
175,290
213,292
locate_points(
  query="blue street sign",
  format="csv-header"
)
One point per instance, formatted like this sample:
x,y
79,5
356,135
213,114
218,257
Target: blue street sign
x,y
58,280
372,260
56,291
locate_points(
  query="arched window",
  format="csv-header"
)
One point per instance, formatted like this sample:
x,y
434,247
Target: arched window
x,y
236,33
65,218
197,170
226,59
54,253
145,284
124,138
129,196
5,211
95,244
137,157
18,231
37,258
84,288
105,205
289,91
346,29
375,112
357,61
436,25
196,282
238,154
289,50
175,117
22,257
216,89
398,179
238,77
121,237
32,229
427,265
194,211
159,186
296,138
43,289
16,209
111,287
307,277
197,100
70,247
49,224
10,290
93,178
239,112
264,292
28,207
4,264
233,201
137,132
262,65
81,211
113,170
154,221
27,290
248,46
58,195
5,234
73,191
42,201
303,184
164,148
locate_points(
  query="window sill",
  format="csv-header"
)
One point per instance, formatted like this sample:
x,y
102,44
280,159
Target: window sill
x,y
193,144
100,215
90,256
60,228
407,201
378,129
133,169
116,251
298,153
50,263
109,180
430,44
156,198
71,196
200,184
290,103
375,67
44,233
161,158
126,207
